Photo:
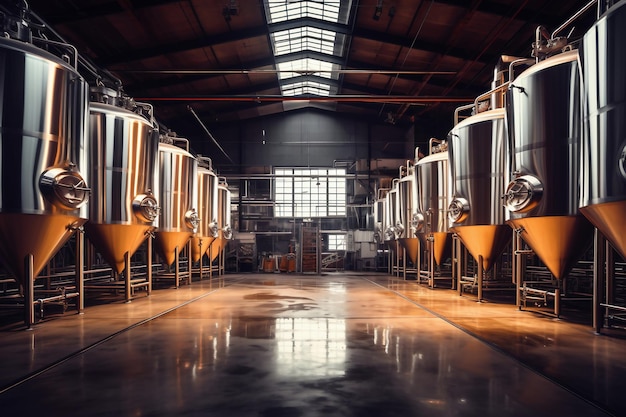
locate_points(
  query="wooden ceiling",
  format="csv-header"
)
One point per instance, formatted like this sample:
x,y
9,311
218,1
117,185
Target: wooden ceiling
x,y
180,53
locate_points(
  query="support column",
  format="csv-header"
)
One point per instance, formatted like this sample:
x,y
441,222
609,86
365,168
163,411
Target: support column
x,y
80,270
189,262
201,258
176,268
149,263
459,264
481,272
29,292
431,263
127,282
598,280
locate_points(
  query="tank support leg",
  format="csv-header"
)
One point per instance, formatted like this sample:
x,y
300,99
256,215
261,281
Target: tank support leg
x,y
210,261
127,276
149,263
458,265
481,272
29,292
80,270
431,265
201,258
599,277
176,268
189,262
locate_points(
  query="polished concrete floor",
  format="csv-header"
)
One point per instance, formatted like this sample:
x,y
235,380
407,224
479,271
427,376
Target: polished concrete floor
x,y
344,344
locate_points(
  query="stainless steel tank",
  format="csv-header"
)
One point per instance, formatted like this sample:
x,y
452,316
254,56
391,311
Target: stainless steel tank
x,y
603,199
391,214
379,215
225,231
544,128
42,154
408,216
177,195
207,209
124,153
434,185
479,164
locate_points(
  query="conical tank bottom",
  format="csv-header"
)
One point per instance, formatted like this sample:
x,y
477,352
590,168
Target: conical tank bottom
x,y
412,247
609,219
165,244
200,246
216,248
487,240
37,234
441,246
557,240
114,240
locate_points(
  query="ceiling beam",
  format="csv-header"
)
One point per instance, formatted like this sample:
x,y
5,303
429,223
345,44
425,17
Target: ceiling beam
x,y
135,55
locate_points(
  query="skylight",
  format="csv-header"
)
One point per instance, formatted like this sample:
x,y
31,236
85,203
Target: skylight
x,y
298,27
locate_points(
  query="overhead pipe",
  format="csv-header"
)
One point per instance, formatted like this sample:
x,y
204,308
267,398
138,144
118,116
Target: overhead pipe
x,y
331,98
209,133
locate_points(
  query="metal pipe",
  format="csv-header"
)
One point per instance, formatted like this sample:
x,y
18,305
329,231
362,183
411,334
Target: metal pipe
x,y
127,276
278,71
149,262
209,133
598,280
480,278
331,98
80,269
29,291
176,268
573,18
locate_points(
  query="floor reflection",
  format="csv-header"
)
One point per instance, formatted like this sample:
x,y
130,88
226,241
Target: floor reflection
x,y
310,347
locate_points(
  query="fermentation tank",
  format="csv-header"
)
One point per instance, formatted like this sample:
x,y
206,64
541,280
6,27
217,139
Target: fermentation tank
x,y
434,190
177,194
379,215
544,129
391,214
408,216
124,151
207,210
42,154
478,153
603,60
225,231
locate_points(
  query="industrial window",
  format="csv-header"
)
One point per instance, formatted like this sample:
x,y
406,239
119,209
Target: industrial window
x,y
310,192
336,242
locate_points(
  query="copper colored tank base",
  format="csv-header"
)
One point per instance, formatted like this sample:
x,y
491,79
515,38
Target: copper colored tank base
x,y
412,246
216,247
608,218
200,246
36,234
114,240
557,240
441,244
165,244
486,240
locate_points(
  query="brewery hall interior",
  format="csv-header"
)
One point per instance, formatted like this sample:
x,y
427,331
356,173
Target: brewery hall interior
x,y
312,207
